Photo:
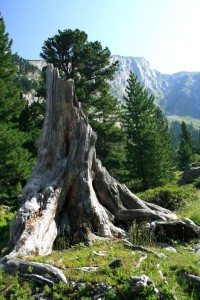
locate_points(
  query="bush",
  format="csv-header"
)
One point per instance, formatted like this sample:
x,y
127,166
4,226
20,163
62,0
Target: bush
x,y
191,210
171,196
5,217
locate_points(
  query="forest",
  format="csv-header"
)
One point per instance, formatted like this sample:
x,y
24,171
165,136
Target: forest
x,y
136,145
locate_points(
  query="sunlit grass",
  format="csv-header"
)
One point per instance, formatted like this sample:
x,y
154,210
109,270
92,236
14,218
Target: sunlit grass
x,y
191,210
184,260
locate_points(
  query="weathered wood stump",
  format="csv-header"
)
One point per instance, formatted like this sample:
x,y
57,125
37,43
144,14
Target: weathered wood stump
x,y
69,190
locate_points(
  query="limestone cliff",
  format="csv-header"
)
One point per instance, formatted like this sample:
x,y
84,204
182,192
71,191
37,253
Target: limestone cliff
x,y
178,94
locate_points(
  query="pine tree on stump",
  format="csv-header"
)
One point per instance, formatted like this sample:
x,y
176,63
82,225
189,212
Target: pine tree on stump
x,y
88,64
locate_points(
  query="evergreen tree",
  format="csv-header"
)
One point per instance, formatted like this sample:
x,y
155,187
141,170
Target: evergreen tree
x,y
15,161
31,122
10,102
185,147
76,58
147,138
175,130
166,152
15,164
104,117
198,143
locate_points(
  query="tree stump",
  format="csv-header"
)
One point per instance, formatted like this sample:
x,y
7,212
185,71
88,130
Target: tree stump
x,y
69,191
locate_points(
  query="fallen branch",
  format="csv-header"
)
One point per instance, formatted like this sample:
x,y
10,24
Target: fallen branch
x,y
38,271
130,246
140,261
194,280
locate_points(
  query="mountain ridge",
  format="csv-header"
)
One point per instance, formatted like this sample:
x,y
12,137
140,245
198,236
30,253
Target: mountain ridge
x,y
178,94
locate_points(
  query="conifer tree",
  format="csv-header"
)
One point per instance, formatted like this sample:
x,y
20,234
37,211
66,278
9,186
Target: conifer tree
x,y
185,147
10,102
165,151
88,64
147,138
14,159
198,143
31,122
104,116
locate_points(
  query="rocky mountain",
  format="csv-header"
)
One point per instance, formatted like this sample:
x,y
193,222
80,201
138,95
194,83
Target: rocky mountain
x,y
38,63
178,94
149,78
182,96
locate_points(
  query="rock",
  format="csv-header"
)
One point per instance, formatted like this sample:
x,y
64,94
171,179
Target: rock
x,y
197,249
100,289
117,263
166,247
176,230
139,283
194,280
148,77
190,174
103,286
88,269
99,253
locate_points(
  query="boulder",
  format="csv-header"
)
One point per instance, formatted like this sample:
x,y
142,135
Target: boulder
x,y
191,173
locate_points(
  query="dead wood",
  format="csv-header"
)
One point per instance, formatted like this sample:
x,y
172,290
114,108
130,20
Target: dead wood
x,y
42,273
69,191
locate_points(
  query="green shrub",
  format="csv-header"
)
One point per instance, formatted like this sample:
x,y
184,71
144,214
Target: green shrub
x,y
191,210
197,182
5,217
170,196
13,287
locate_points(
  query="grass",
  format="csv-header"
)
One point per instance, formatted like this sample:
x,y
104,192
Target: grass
x,y
191,210
184,260
134,263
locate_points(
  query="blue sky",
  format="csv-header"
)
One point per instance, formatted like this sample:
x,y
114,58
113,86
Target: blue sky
x,y
165,32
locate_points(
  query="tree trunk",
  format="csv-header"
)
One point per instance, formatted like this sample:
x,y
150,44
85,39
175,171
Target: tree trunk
x,y
69,191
